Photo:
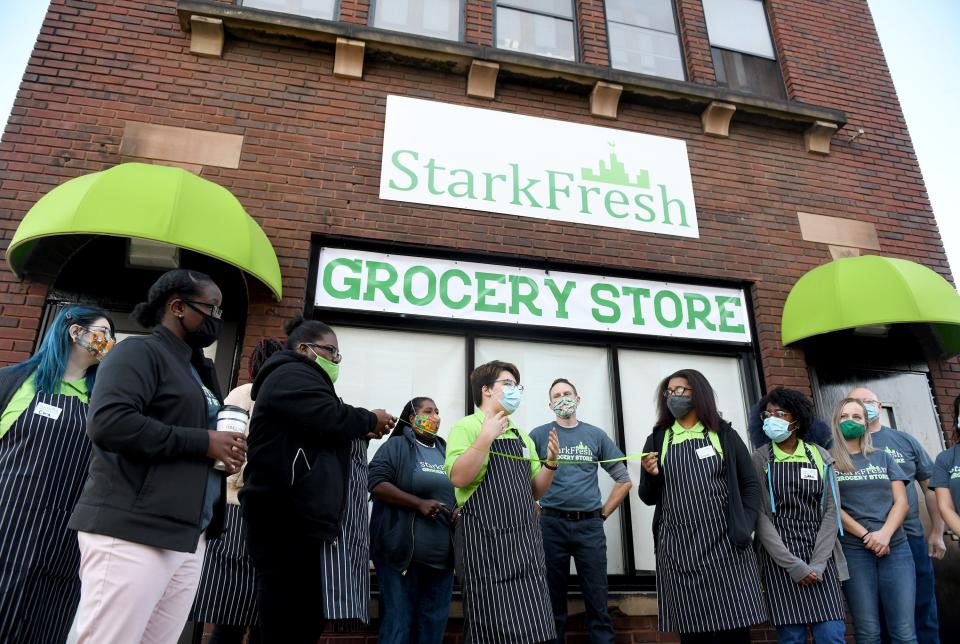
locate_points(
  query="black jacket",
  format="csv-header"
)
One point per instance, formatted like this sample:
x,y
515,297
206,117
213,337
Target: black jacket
x,y
744,488
391,527
298,409
148,424
11,378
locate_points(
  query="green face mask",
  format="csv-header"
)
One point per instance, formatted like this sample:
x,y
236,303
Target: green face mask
x,y
852,429
332,368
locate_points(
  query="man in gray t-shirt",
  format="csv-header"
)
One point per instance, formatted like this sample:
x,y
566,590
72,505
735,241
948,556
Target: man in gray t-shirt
x,y
573,513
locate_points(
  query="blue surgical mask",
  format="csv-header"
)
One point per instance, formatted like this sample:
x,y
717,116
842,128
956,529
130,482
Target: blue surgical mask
x,y
776,429
510,400
872,413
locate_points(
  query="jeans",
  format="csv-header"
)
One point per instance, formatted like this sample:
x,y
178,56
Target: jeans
x,y
926,618
831,632
414,606
890,581
585,541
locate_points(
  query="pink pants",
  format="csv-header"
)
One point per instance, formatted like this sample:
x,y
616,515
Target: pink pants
x,y
134,593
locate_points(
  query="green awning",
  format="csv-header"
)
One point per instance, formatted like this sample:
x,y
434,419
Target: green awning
x,y
870,291
153,202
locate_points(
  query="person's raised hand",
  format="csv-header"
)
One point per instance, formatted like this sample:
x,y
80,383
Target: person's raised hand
x,y
651,464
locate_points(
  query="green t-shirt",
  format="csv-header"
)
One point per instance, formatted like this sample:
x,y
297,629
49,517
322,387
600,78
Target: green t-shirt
x,y
461,437
799,455
23,396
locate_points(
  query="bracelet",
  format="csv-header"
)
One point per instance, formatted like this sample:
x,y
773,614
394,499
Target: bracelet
x,y
550,467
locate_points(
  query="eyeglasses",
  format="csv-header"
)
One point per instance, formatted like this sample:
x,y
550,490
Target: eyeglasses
x,y
215,311
329,348
105,330
870,401
779,414
677,391
507,383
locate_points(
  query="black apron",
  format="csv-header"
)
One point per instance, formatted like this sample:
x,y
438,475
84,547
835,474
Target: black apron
x,y
704,583
227,592
797,518
498,547
43,465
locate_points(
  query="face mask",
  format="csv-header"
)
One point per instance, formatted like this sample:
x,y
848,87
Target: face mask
x,y
510,400
851,428
777,429
872,413
205,335
679,406
97,345
426,424
564,407
332,369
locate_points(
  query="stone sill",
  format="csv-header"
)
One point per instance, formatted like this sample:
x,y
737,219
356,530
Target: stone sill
x,y
606,86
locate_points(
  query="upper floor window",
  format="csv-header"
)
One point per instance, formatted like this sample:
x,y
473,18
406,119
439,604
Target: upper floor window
x,y
434,18
743,53
643,37
541,27
309,8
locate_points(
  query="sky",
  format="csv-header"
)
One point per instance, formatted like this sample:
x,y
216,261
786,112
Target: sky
x,y
918,38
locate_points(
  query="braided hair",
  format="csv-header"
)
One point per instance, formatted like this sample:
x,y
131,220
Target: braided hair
x,y
263,350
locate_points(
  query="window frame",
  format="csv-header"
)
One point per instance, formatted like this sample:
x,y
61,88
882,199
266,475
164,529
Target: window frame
x,y
776,56
574,21
334,18
461,29
676,26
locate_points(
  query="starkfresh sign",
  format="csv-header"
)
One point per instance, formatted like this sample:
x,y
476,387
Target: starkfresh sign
x,y
464,157
399,284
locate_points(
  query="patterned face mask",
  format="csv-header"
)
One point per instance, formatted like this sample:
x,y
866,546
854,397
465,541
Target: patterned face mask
x,y
98,345
564,407
426,424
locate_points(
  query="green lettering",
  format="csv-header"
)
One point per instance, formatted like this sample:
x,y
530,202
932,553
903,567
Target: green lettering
x,y
597,291
694,314
525,190
395,159
466,183
408,285
552,187
432,167
666,207
584,198
374,283
352,290
651,215
528,299
488,184
608,203
677,309
484,291
445,289
637,294
561,296
722,302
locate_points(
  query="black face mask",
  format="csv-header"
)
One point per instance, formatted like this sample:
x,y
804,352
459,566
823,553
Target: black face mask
x,y
679,406
206,334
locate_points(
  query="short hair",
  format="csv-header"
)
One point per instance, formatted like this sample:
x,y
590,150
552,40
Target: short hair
x,y
300,331
486,374
181,282
795,402
564,380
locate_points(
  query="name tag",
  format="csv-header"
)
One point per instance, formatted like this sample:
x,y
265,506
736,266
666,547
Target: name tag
x,y
808,474
706,452
525,453
47,411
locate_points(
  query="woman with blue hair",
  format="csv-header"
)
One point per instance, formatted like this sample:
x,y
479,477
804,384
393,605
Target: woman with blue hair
x,y
44,453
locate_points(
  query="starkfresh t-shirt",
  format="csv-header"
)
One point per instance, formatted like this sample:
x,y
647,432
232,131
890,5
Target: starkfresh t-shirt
x,y
866,493
575,488
915,463
946,472
431,537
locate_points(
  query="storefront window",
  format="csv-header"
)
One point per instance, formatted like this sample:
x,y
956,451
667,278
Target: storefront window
x,y
433,18
643,37
743,54
310,8
541,27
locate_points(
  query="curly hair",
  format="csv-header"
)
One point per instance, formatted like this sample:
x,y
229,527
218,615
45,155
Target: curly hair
x,y
795,402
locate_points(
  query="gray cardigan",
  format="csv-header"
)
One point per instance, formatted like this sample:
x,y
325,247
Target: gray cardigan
x,y
827,543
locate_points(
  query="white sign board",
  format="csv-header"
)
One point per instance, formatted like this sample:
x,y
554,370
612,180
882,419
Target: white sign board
x,y
399,284
465,157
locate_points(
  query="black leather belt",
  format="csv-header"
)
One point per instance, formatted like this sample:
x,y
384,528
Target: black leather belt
x,y
571,516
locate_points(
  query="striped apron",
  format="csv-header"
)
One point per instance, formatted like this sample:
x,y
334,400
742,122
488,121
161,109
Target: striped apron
x,y
227,592
498,547
797,518
345,561
43,465
704,583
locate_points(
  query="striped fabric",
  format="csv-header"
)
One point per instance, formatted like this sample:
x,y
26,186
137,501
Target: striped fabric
x,y
43,465
345,561
797,519
500,561
227,593
704,583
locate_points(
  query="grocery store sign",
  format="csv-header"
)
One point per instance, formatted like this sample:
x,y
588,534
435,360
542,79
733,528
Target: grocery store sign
x,y
465,157
438,288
